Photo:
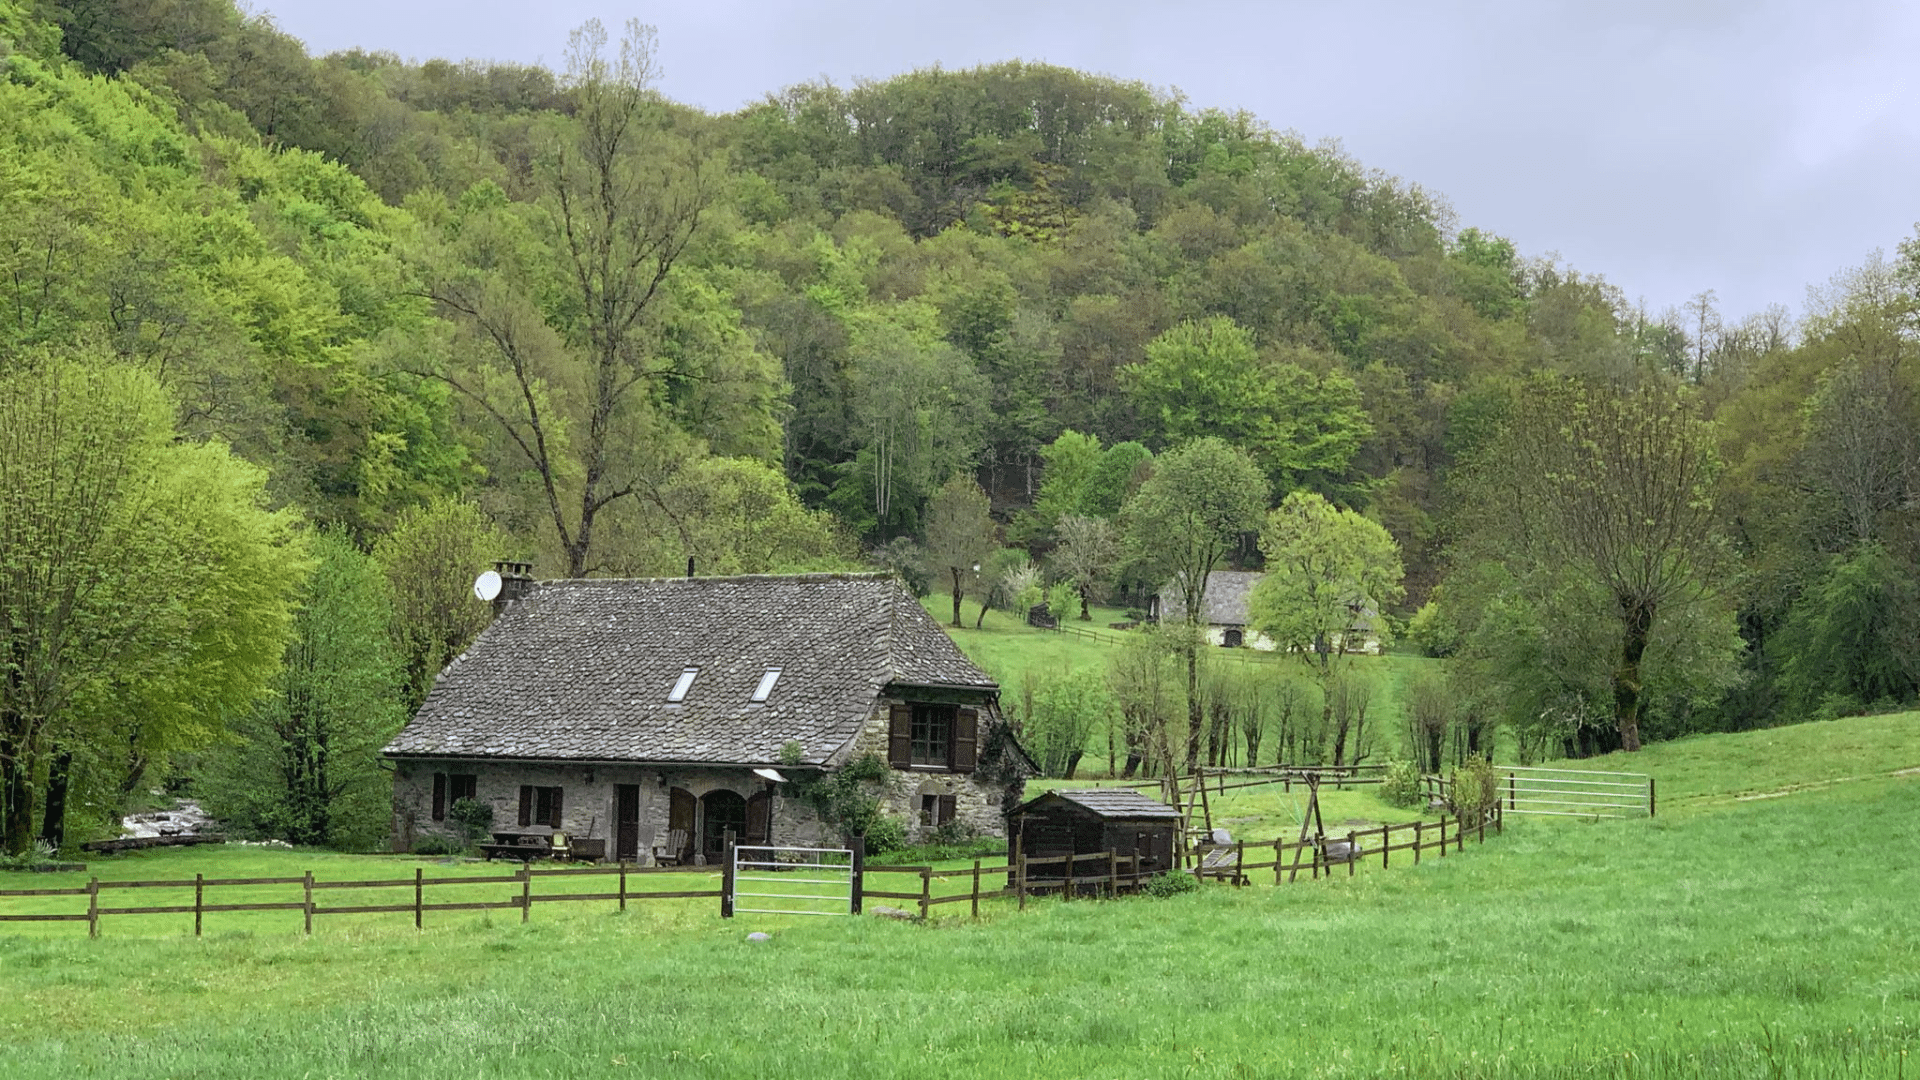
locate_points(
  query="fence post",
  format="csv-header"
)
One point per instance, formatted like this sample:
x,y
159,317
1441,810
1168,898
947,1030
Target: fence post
x,y
418,881
1239,860
307,903
859,883
1649,796
926,890
976,888
93,907
726,878
1353,851
1386,844
1020,876
1113,872
199,884
1510,791
526,890
623,884
1418,827
1276,863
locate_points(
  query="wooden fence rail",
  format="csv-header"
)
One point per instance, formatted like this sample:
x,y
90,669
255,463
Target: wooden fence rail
x,y
1104,873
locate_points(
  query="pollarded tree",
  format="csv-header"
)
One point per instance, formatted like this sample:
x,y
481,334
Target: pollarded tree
x,y
1088,553
1613,488
145,591
1329,571
960,534
1181,525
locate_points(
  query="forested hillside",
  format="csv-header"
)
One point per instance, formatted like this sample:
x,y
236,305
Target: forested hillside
x,y
419,316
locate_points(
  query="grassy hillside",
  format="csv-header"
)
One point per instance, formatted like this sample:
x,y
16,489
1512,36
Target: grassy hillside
x,y
1767,938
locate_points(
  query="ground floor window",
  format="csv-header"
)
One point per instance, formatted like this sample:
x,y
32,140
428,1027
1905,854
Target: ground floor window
x,y
450,788
540,806
936,810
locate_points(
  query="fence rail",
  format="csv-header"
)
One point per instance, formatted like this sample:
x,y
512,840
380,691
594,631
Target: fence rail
x,y
1018,877
1581,793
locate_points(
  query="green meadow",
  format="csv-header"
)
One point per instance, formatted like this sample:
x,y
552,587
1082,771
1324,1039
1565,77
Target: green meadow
x,y
1764,925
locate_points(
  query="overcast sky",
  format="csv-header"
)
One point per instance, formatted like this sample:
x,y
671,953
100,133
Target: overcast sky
x,y
1751,148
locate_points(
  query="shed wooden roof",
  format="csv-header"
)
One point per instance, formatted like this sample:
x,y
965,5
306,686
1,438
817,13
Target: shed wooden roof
x,y
1118,803
582,670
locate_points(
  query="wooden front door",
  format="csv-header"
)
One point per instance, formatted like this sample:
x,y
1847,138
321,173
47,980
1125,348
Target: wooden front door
x,y
626,816
759,818
680,806
722,812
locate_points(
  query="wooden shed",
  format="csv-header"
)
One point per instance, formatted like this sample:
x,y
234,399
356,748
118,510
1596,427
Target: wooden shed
x,y
1108,819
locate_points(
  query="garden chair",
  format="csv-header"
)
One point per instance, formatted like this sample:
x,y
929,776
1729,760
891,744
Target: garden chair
x,y
560,847
668,854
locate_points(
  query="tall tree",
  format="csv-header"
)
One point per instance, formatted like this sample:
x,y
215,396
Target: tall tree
x,y
1616,487
430,559
960,534
1088,553
144,589
307,768
569,382
1181,525
1329,571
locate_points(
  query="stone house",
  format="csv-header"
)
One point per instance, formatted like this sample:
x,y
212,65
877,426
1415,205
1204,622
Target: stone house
x,y
626,710
1224,605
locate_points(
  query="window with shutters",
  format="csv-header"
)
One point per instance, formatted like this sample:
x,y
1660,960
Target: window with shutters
x,y
932,736
539,805
936,810
450,788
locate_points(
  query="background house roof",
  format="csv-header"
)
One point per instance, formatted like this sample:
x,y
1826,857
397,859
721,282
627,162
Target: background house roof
x,y
580,670
1228,592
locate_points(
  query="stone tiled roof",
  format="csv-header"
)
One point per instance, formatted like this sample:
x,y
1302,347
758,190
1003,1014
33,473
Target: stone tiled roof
x,y
581,670
1123,803
1228,592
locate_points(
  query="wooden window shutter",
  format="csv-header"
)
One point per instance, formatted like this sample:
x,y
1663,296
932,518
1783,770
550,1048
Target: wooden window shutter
x,y
946,811
966,740
439,796
526,804
555,820
900,737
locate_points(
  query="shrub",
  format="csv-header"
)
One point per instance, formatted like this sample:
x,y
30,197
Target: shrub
x,y
439,844
1473,789
1171,883
40,854
474,817
1401,784
885,832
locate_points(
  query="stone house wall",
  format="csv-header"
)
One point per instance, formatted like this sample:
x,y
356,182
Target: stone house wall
x,y
588,793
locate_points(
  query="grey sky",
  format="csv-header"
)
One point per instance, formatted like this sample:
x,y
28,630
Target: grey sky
x,y
1749,148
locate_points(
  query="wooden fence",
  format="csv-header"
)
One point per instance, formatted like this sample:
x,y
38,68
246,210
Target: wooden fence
x,y
1104,873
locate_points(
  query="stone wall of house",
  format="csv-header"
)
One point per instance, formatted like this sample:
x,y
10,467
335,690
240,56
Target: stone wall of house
x,y
977,804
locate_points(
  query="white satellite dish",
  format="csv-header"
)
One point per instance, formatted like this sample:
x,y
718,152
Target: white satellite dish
x,y
770,774
487,585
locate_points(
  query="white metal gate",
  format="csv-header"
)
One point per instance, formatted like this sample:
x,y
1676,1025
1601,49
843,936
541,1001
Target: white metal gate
x,y
792,880
1584,793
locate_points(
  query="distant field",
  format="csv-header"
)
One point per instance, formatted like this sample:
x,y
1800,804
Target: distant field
x,y
1772,937
1011,651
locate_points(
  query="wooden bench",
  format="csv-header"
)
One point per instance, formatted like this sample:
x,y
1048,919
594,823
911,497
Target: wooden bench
x,y
523,852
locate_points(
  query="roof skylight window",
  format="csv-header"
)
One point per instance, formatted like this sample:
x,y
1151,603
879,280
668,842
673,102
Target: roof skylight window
x,y
765,689
682,685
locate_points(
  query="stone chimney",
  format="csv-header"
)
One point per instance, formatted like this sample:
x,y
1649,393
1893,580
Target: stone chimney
x,y
516,581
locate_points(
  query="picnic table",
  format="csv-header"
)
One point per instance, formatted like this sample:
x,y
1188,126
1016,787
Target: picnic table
x,y
525,846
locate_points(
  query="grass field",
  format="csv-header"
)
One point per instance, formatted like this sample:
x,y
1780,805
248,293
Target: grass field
x,y
1731,937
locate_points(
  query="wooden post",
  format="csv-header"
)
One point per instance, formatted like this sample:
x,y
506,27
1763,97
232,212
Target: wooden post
x,y
1353,851
1020,876
623,884
93,907
418,882
526,890
307,903
1386,844
1113,872
1510,791
859,883
1276,862
1239,860
199,886
926,890
1649,796
976,888
1417,827
726,877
